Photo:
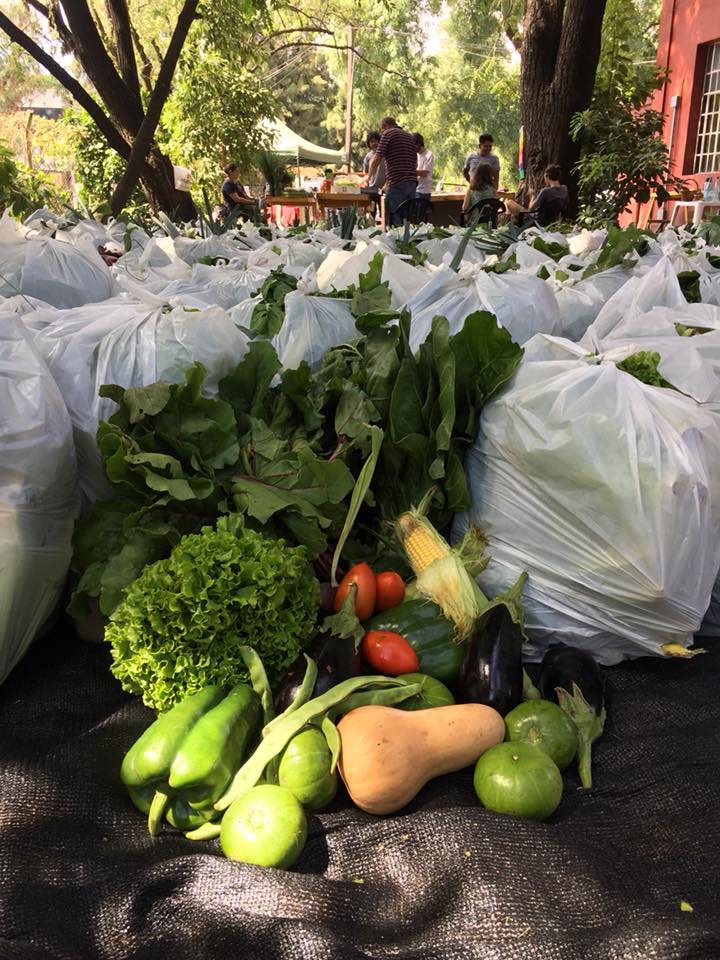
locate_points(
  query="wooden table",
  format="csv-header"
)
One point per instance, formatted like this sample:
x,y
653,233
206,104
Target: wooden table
x,y
306,202
333,201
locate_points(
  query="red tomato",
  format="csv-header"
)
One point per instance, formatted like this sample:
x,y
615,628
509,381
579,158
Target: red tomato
x,y
364,579
389,590
389,653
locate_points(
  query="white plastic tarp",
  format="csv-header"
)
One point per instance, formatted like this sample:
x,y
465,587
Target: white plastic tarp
x,y
607,492
38,493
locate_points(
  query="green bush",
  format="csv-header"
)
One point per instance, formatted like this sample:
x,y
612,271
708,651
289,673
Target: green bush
x,y
98,168
23,190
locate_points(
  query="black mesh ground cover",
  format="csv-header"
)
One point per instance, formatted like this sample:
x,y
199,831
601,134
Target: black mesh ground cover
x,y
445,879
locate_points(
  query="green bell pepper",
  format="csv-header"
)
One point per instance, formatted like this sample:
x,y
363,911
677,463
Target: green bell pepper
x,y
187,758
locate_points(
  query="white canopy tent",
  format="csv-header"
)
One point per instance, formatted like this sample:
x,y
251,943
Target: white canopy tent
x,y
301,151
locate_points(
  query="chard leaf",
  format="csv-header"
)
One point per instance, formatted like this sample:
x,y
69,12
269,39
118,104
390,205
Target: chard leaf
x,y
140,402
354,412
306,532
445,367
550,248
485,358
246,388
406,403
381,367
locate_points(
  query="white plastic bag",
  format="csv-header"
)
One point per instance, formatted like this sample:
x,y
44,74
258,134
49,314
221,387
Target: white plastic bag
x,y
580,302
38,493
607,492
524,305
61,274
659,287
312,325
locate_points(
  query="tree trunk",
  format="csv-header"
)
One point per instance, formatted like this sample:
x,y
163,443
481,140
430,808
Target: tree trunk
x,y
159,188
143,136
560,53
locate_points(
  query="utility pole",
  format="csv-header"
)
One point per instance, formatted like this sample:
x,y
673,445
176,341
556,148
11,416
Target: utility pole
x,y
349,97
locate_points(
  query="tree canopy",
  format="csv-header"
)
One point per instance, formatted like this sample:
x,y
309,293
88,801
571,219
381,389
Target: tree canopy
x,y
175,81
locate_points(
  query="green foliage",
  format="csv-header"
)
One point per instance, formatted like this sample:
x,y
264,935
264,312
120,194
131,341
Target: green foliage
x,y
304,88
20,75
98,168
473,86
286,448
619,249
644,367
267,317
214,114
183,621
23,190
623,156
274,170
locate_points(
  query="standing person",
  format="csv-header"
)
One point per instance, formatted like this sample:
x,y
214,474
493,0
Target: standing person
x,y
373,185
328,180
425,162
397,148
235,195
483,154
481,188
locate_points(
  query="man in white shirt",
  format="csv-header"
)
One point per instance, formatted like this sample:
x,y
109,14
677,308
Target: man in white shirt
x,y
425,162
483,154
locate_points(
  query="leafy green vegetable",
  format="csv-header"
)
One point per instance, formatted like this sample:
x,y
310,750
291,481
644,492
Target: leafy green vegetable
x,y
689,281
286,451
553,250
644,367
267,317
618,246
184,620
683,331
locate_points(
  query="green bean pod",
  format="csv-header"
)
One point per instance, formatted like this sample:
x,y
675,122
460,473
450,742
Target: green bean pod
x,y
284,728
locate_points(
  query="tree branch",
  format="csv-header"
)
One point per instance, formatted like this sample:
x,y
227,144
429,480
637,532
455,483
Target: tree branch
x,y
122,32
40,7
146,70
103,122
144,136
279,33
122,105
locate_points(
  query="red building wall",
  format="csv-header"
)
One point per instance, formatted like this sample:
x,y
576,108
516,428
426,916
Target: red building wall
x,y
687,27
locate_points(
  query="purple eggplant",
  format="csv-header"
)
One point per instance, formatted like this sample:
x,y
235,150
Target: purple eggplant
x,y
492,671
335,659
573,679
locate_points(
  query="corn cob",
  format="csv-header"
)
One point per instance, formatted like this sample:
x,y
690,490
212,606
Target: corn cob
x,y
441,574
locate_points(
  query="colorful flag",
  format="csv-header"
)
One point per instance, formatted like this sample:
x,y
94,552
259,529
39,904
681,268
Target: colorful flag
x,y
521,155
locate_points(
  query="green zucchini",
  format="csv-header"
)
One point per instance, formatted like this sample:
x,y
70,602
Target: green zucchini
x,y
430,635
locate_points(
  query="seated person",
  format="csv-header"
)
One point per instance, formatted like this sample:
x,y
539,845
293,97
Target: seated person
x,y
234,194
482,187
548,205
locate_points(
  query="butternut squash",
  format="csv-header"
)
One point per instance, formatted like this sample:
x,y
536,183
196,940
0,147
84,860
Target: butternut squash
x,y
387,755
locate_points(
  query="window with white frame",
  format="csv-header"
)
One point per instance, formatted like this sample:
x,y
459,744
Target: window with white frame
x,y
707,152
